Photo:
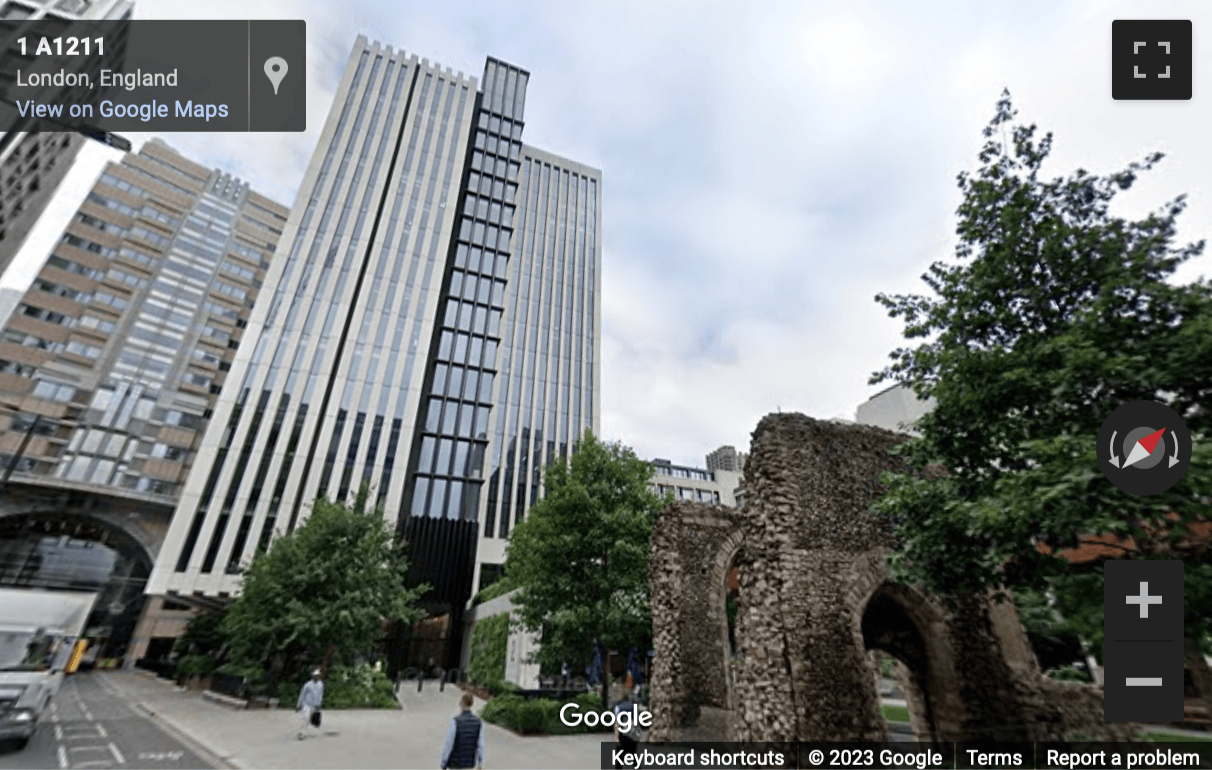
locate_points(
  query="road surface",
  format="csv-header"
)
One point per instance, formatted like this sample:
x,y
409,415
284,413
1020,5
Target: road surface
x,y
90,726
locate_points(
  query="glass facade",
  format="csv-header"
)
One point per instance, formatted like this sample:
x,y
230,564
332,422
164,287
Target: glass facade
x,y
448,461
374,357
548,371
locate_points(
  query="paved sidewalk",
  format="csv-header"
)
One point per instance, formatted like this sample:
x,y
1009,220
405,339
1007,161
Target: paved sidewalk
x,y
409,738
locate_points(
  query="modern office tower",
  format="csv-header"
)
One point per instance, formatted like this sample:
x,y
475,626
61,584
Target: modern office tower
x,y
31,164
726,458
110,367
434,310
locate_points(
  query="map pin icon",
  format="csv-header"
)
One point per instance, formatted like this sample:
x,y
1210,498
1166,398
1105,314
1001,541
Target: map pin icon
x,y
275,70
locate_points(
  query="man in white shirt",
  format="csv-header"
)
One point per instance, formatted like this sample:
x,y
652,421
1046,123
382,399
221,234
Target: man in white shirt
x,y
311,698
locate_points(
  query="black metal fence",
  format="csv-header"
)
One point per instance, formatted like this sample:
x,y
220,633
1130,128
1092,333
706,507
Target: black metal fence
x,y
165,669
230,684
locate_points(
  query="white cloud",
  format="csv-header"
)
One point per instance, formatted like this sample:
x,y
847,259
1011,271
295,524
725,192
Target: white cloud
x,y
767,168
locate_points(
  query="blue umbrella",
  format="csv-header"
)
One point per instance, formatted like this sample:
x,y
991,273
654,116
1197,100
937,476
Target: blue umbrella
x,y
593,672
634,667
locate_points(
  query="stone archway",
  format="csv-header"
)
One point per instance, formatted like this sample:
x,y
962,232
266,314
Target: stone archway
x,y
896,621
815,597
79,552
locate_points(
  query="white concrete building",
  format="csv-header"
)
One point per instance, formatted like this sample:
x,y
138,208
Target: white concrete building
x,y
894,408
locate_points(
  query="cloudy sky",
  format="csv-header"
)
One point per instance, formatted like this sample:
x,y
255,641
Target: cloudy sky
x,y
768,167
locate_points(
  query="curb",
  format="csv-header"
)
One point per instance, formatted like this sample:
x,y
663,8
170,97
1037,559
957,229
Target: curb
x,y
225,700
177,731
187,737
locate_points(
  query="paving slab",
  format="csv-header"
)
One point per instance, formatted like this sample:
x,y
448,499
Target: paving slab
x,y
356,738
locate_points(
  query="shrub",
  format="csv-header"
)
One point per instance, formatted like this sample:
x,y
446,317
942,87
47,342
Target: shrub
x,y
347,687
359,686
499,588
541,715
252,672
195,665
489,646
1070,674
288,693
502,710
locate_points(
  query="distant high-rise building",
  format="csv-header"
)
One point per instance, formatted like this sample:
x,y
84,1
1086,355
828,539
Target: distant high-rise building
x,y
726,458
431,330
33,164
112,362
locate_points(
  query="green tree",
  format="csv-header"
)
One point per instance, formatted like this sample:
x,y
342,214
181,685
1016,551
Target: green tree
x,y
203,635
1053,314
580,559
323,590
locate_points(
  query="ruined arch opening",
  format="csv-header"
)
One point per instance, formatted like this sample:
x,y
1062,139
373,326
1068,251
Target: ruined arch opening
x,y
732,597
889,629
77,552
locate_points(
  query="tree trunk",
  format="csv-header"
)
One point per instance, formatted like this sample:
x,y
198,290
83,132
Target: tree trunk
x,y
327,661
606,681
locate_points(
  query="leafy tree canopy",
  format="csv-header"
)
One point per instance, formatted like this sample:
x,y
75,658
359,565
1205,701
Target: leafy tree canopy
x,y
580,559
1054,313
324,590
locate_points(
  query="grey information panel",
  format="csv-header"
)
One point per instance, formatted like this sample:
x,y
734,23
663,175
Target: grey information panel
x,y
159,76
1143,641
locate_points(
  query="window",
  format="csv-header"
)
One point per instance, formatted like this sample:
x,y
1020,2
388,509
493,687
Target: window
x,y
52,390
48,316
215,333
231,291
79,348
169,452
206,357
221,310
15,12
105,298
122,276
17,368
159,216
235,269
183,419
98,224
149,236
110,203
86,245
73,267
98,324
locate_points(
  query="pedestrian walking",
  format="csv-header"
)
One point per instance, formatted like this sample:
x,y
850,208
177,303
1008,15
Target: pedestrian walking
x,y
464,745
628,739
311,699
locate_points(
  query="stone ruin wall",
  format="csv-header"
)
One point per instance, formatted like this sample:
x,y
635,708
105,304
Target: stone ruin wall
x,y
814,598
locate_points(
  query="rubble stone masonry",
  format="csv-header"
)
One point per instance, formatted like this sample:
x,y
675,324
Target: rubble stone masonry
x,y
815,598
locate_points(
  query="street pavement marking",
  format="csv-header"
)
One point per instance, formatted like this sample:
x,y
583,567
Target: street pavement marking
x,y
117,754
58,733
101,730
62,757
161,756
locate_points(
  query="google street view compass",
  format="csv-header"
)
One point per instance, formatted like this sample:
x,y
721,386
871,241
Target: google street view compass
x,y
1144,447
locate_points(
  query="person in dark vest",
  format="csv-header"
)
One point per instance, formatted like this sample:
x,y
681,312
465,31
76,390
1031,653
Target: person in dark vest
x,y
464,745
